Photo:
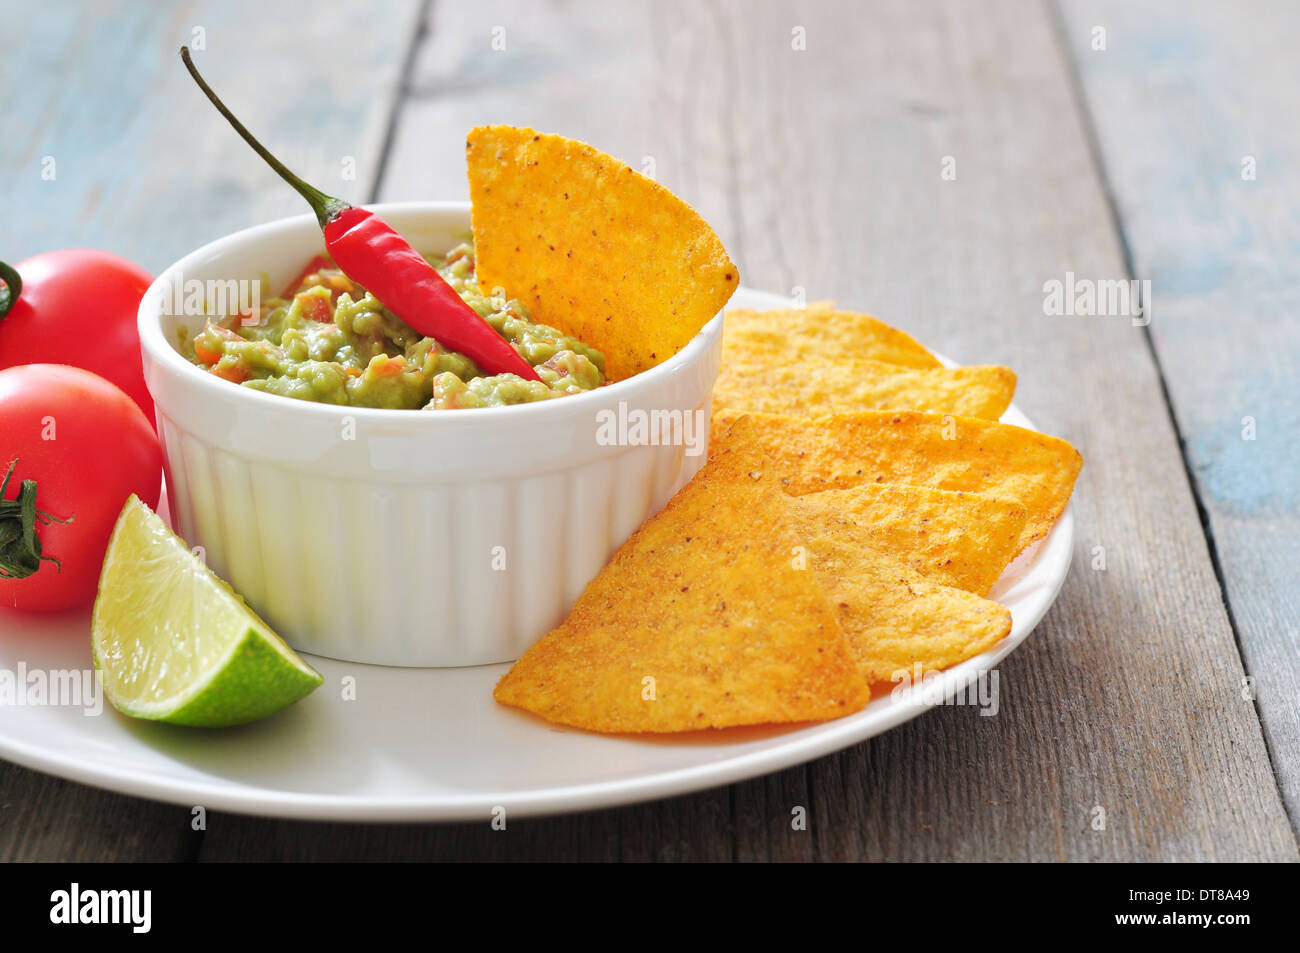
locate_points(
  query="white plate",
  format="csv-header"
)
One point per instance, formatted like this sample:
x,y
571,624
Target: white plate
x,y
431,744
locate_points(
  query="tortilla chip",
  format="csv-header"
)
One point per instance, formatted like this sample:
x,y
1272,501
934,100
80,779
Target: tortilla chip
x,y
894,617
815,333
592,247
959,539
706,600
963,540
942,451
820,387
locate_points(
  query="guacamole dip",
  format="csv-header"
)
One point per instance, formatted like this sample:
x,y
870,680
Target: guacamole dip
x,y
329,340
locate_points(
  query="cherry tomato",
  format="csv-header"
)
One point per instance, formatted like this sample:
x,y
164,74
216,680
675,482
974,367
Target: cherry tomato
x,y
78,307
88,446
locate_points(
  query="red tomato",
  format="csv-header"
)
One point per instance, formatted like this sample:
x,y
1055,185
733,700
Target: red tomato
x,y
88,447
78,307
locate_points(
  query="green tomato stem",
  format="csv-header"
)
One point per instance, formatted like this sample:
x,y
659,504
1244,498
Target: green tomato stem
x,y
20,547
13,287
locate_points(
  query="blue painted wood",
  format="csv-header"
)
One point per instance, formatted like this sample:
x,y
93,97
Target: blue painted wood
x,y
109,144
1195,109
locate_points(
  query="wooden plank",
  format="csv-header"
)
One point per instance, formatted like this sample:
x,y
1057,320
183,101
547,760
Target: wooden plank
x,y
142,166
590,837
48,819
1194,111
821,168
695,827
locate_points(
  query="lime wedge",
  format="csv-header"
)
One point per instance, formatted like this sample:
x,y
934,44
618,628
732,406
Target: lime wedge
x,y
175,643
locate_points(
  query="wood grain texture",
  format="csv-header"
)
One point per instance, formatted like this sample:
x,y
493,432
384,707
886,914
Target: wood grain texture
x,y
1195,122
144,167
821,169
43,818
142,164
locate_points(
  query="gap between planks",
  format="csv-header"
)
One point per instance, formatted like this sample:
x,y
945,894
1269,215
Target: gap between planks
x,y
1088,123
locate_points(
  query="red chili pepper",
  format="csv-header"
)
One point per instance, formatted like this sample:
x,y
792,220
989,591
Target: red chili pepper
x,y
371,252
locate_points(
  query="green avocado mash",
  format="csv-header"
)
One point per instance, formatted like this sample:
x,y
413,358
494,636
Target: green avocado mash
x,y
331,341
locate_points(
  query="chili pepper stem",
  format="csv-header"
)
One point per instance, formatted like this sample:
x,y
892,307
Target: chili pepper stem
x,y
375,256
325,206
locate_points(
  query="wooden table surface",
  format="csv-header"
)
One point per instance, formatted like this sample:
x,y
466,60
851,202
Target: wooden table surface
x,y
1111,141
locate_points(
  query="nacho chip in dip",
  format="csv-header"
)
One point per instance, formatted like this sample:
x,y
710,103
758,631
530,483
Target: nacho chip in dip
x,y
592,247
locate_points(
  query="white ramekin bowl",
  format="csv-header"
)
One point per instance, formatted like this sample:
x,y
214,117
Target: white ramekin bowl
x,y
420,538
